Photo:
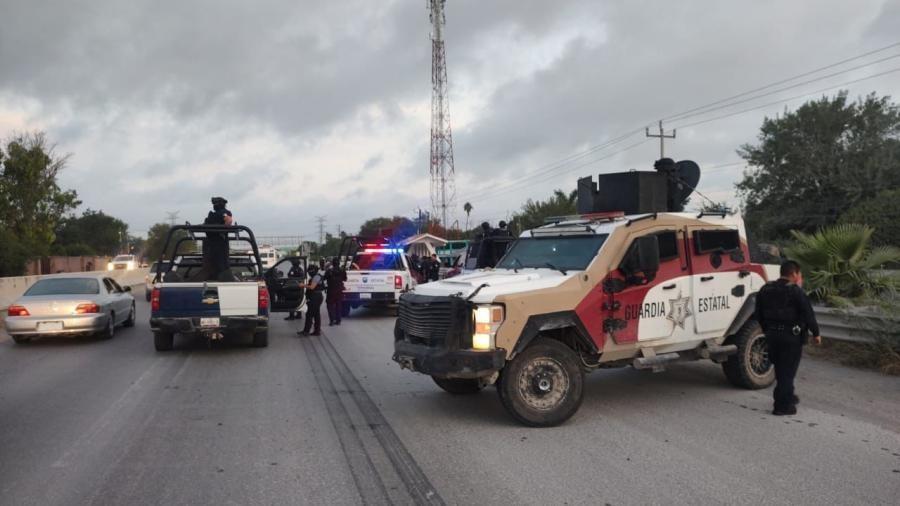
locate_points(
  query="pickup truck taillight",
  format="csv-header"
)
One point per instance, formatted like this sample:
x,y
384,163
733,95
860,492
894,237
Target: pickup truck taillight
x,y
17,311
263,296
154,300
87,308
398,282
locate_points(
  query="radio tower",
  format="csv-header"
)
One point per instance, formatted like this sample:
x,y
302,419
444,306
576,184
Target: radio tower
x,y
443,187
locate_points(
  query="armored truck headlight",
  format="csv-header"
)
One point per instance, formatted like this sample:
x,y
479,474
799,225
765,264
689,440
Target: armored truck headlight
x,y
487,321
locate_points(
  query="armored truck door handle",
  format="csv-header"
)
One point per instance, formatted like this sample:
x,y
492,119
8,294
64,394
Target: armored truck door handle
x,y
707,278
669,287
744,273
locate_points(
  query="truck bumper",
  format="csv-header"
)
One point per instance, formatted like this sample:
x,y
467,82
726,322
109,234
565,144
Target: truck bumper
x,y
190,325
357,299
446,363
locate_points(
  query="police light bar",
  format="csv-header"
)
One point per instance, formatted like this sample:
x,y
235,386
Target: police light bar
x,y
383,250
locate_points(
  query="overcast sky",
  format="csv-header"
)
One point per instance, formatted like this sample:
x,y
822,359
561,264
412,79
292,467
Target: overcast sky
x,y
292,109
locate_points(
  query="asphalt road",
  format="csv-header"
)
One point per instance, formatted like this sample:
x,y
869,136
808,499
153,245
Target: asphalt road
x,y
332,420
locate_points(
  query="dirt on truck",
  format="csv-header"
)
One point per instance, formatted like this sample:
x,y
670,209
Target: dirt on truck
x,y
631,281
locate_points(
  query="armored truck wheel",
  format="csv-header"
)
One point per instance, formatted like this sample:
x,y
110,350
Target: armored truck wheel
x,y
459,386
163,341
544,385
750,367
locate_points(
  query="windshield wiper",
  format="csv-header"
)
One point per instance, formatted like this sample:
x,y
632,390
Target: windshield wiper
x,y
555,268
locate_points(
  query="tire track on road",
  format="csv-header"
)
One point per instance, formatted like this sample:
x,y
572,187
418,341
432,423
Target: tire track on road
x,y
416,482
368,483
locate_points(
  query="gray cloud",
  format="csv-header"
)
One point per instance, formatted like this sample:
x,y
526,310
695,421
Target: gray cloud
x,y
301,108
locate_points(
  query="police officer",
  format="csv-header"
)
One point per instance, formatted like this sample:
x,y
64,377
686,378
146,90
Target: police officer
x,y
334,299
296,273
786,315
314,296
215,245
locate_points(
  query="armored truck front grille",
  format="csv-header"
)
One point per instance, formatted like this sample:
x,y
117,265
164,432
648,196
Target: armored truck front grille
x,y
434,321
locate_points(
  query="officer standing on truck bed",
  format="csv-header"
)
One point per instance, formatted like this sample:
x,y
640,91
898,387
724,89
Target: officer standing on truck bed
x,y
786,315
215,245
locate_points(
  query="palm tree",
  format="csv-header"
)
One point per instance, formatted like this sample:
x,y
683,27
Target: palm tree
x,y
467,207
840,263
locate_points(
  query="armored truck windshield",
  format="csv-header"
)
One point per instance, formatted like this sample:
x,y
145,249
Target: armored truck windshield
x,y
559,252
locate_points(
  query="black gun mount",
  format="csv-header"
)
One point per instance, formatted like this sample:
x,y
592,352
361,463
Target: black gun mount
x,y
665,189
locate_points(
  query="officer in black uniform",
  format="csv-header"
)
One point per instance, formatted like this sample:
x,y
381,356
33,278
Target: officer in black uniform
x,y
786,316
215,245
315,289
295,278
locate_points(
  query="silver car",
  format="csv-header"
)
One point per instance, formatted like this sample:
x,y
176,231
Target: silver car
x,y
70,305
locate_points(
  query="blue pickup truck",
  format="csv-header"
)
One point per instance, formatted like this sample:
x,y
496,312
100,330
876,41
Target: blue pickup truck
x,y
186,299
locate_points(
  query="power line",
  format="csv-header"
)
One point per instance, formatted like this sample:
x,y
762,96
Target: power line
x,y
795,97
779,90
321,220
789,79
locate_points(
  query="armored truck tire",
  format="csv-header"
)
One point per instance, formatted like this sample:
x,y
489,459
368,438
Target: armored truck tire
x,y
750,367
163,341
261,338
543,385
459,386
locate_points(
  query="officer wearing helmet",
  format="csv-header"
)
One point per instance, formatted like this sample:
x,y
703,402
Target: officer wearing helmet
x,y
314,297
786,316
215,246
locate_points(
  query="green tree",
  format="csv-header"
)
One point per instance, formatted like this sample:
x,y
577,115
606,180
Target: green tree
x,y
467,207
156,239
534,213
104,234
397,227
13,254
813,164
881,213
839,262
31,201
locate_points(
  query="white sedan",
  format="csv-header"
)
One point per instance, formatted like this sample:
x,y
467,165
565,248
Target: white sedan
x,y
70,305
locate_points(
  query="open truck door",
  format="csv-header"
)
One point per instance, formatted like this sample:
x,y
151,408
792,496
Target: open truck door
x,y
284,284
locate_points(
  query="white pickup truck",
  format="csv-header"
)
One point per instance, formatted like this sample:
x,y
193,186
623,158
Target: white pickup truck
x,y
377,276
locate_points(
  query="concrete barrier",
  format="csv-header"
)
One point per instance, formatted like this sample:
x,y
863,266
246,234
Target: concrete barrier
x,y
13,288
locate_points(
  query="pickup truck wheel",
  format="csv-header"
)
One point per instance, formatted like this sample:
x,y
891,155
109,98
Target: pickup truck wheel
x,y
163,341
544,385
459,386
21,339
750,367
110,329
132,316
261,338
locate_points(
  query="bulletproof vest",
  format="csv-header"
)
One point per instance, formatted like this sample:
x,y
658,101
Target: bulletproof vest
x,y
777,304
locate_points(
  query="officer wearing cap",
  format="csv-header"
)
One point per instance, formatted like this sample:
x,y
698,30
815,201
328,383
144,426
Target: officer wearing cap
x,y
786,316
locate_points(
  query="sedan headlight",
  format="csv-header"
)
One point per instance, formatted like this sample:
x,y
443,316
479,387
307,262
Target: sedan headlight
x,y
110,266
487,321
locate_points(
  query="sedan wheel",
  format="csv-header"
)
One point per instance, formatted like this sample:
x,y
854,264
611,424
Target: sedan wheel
x,y
110,330
132,316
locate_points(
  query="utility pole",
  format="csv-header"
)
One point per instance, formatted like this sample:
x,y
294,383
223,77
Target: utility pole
x,y
662,137
171,217
321,220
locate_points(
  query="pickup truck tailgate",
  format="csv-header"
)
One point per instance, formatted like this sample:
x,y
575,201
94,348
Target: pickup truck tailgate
x,y
208,299
369,281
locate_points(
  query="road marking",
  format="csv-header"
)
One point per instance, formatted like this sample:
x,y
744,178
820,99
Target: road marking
x,y
419,487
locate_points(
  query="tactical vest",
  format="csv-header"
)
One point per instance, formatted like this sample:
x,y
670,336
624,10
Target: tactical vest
x,y
777,303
